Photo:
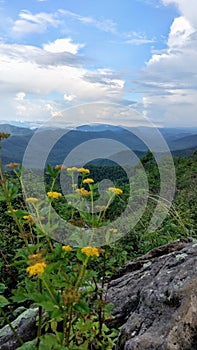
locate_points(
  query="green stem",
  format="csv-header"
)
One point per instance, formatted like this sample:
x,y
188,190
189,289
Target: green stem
x,y
51,293
39,310
9,204
11,327
68,328
107,206
81,273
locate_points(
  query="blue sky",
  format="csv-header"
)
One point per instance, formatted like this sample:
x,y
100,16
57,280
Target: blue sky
x,y
60,54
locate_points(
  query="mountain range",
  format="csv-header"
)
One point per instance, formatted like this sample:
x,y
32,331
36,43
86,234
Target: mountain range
x,y
97,139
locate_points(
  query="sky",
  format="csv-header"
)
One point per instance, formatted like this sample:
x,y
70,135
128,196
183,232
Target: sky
x,y
56,55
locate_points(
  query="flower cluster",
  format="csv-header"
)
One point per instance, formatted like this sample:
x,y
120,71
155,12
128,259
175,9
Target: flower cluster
x,y
80,170
12,211
12,165
29,218
54,195
60,167
88,181
90,251
74,168
67,248
83,192
32,200
35,258
36,269
115,190
84,170
4,135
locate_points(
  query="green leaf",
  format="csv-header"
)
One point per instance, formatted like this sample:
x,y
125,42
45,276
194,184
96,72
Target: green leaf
x,y
48,340
82,306
81,256
20,295
3,301
30,345
19,213
2,287
47,305
52,171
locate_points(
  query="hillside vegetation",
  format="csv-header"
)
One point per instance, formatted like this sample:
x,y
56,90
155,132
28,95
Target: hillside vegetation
x,y
72,279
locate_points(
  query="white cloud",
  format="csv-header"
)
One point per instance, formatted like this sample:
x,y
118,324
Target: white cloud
x,y
105,25
39,56
63,45
20,96
180,32
34,23
186,8
139,41
29,76
137,38
69,98
169,80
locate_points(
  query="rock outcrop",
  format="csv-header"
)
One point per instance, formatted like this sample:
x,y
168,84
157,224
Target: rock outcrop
x,y
155,298
25,326
155,302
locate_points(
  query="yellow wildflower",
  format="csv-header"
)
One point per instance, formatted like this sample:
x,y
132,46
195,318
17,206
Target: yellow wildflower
x,y
113,230
12,165
12,211
115,190
29,218
60,167
35,258
4,135
32,199
54,195
88,181
84,170
83,192
36,269
90,251
67,248
72,169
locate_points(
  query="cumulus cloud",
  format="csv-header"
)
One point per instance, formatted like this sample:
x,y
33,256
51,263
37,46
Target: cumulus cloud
x,y
63,45
42,56
187,9
180,32
169,79
30,76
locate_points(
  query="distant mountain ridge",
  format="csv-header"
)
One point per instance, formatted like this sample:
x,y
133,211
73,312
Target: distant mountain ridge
x,y
181,141
15,130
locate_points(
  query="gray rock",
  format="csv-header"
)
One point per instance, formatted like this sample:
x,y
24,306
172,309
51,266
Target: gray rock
x,y
25,326
155,298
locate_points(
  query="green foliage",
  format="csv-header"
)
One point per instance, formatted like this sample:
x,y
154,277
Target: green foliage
x,y
69,284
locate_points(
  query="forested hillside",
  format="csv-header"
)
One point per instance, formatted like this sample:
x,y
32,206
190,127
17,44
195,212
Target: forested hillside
x,y
180,222
23,244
